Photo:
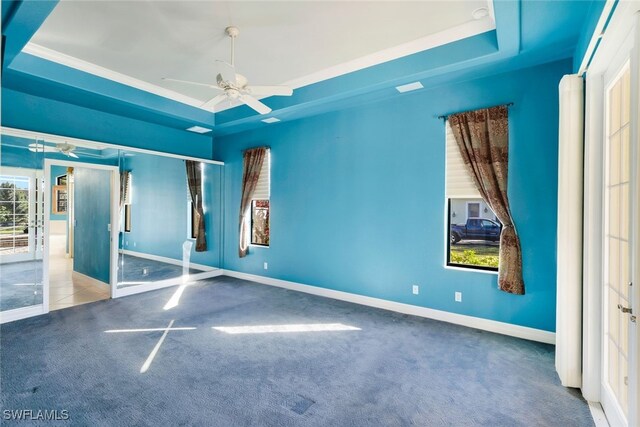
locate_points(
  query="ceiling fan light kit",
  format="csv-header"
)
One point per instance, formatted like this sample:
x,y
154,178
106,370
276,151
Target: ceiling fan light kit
x,y
235,86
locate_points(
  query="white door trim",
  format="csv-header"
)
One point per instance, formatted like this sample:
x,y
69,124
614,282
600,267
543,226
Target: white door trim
x,y
623,28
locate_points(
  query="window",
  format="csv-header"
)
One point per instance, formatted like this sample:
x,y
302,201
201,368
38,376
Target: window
x,y
473,232
260,205
127,218
126,199
14,214
193,214
473,210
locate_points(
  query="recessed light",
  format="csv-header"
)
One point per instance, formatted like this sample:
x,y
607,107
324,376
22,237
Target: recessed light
x,y
409,87
271,120
198,129
480,13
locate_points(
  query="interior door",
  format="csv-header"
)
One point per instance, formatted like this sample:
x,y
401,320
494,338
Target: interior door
x,y
91,218
618,369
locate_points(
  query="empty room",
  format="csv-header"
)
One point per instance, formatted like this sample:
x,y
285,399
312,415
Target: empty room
x,y
320,213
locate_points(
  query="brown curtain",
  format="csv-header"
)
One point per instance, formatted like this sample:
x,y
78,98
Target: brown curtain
x,y
124,187
194,180
252,165
483,139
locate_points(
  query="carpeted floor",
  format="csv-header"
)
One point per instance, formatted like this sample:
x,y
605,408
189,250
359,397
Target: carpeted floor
x,y
386,369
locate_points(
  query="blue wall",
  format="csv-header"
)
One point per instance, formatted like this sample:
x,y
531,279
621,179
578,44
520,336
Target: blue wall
x,y
358,202
23,111
56,171
159,208
91,237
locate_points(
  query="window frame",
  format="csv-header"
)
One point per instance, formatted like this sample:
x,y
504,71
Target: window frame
x,y
448,263
249,220
479,210
251,209
127,218
192,217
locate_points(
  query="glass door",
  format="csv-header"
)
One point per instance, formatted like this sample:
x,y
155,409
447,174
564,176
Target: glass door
x,y
21,224
617,250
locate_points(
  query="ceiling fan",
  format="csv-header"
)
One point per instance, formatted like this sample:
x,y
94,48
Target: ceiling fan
x,y
61,147
235,86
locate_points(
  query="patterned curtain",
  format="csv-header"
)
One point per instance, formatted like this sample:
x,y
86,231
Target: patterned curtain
x,y
252,165
483,139
125,176
194,181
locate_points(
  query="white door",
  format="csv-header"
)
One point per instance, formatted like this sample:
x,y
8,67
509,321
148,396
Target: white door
x,y
619,369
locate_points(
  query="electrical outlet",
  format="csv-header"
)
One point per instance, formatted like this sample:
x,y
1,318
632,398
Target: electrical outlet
x,y
416,289
266,266
458,296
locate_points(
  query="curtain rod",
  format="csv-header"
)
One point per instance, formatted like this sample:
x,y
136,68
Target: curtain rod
x,y
268,147
444,116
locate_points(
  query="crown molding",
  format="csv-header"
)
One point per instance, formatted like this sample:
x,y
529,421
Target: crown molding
x,y
96,70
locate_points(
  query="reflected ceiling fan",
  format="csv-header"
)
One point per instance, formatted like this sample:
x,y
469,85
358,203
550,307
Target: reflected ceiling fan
x,y
235,86
61,147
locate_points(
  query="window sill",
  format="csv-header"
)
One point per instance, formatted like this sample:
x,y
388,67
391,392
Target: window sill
x,y
251,245
470,270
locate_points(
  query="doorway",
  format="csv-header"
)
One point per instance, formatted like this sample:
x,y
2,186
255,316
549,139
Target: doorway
x,y
79,239
612,162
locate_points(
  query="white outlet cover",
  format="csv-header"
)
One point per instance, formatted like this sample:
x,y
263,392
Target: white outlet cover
x,y
266,266
416,289
458,296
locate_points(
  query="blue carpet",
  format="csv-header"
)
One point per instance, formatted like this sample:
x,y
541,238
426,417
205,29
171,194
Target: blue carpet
x,y
395,370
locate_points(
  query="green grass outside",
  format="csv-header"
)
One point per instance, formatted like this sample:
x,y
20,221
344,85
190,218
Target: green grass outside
x,y
475,254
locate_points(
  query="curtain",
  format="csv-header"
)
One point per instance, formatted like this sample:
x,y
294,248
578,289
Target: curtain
x,y
483,139
569,246
194,181
124,187
252,165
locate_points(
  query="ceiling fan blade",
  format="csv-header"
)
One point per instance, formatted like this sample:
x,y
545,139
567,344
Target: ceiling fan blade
x,y
255,104
212,86
270,90
213,102
41,148
225,72
72,154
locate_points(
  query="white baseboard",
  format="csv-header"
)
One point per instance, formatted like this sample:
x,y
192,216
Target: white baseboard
x,y
444,316
22,313
599,418
167,260
160,284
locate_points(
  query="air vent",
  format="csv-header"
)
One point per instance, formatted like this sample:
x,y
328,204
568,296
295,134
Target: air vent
x,y
409,87
199,129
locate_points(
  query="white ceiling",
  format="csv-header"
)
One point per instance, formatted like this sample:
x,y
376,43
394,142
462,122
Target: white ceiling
x,y
283,42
